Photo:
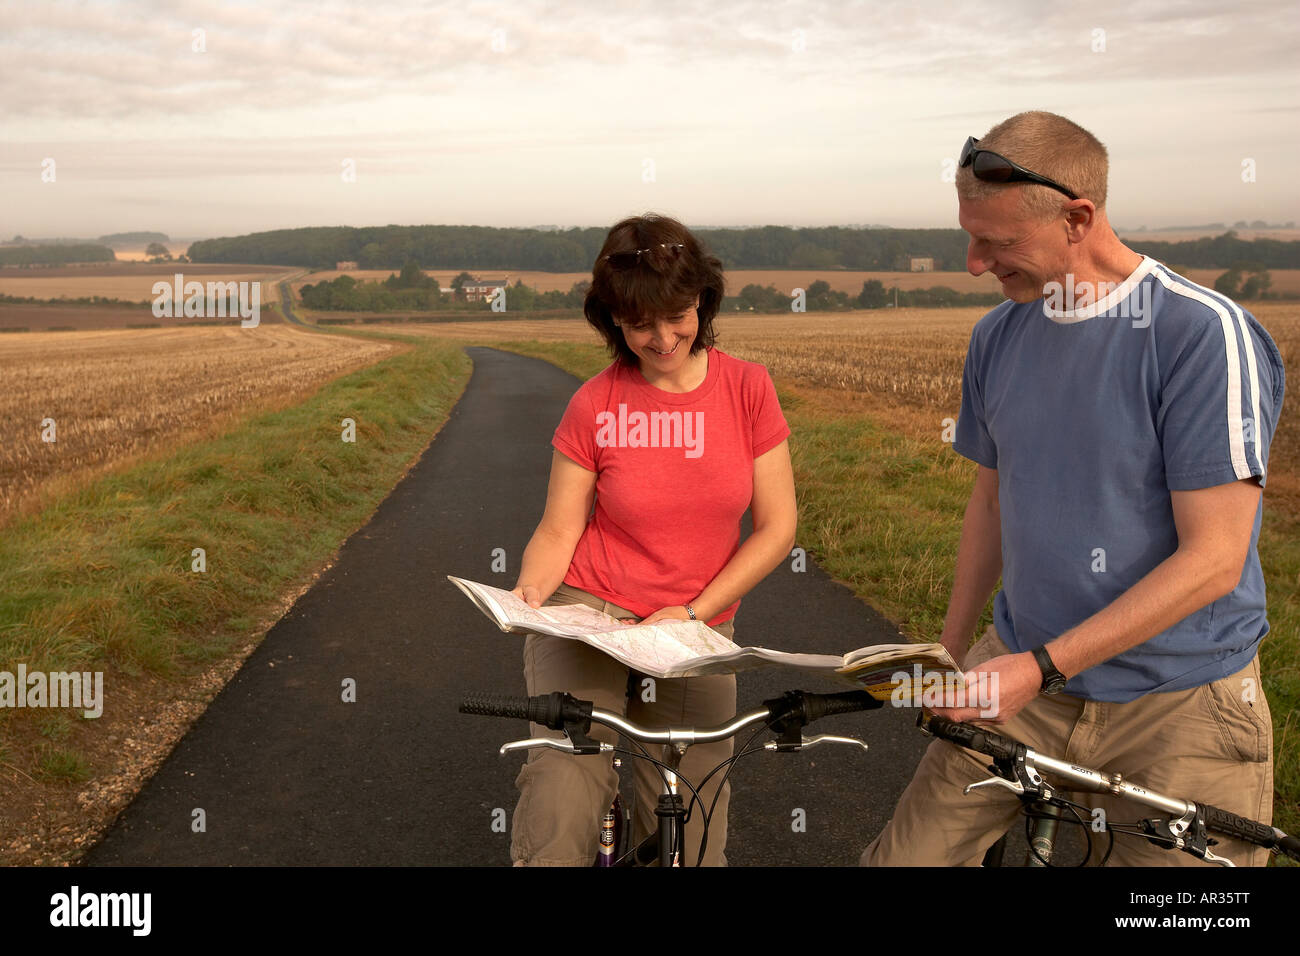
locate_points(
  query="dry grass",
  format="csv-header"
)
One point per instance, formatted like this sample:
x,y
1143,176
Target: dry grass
x,y
115,395
129,281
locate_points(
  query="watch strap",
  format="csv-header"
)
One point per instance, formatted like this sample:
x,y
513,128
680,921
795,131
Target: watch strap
x,y
1053,679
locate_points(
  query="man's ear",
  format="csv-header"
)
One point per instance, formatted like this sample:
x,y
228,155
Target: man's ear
x,y
1080,217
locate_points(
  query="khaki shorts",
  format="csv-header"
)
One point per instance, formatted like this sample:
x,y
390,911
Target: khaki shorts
x,y
1211,744
562,796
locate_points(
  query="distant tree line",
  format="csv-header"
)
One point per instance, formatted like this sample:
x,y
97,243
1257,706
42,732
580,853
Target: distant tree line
x,y
1222,252
54,255
820,297
574,250
414,291
133,238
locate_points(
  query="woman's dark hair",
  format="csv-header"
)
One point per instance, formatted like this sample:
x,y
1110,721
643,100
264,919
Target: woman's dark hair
x,y
656,285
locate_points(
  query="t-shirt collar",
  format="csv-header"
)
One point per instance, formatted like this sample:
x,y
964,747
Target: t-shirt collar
x,y
1105,304
679,398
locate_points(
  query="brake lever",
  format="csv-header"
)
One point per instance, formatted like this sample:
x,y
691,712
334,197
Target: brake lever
x,y
1015,786
552,743
806,742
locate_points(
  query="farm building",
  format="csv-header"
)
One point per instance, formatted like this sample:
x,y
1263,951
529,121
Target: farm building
x,y
480,290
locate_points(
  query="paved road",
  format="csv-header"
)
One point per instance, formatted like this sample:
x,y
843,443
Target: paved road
x,y
286,773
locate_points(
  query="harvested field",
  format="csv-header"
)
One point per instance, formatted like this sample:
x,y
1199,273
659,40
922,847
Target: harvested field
x,y
130,281
907,362
116,395
69,318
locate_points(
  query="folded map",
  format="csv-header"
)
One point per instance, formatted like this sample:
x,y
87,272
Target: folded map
x,y
693,649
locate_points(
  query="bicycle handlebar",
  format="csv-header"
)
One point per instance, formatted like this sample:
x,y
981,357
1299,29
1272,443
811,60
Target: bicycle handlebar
x,y
550,710
1014,754
557,709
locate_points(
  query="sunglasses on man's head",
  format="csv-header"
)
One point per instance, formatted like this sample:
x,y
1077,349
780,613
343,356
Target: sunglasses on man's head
x,y
662,253
991,167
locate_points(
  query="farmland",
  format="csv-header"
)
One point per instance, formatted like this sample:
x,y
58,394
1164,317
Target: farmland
x,y
116,394
128,281
1285,281
905,363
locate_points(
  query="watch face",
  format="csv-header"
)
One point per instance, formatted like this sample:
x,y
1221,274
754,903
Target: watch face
x,y
1054,686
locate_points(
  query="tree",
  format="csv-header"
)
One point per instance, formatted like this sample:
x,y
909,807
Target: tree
x,y
411,277
822,298
1228,283
521,298
873,295
157,249
1256,285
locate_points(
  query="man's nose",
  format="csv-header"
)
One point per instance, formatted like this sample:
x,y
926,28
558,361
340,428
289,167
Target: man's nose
x,y
977,263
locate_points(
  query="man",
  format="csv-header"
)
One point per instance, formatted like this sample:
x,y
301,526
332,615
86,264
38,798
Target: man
x,y
1120,417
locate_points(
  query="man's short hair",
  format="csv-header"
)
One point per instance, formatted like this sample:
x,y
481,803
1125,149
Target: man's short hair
x,y
1051,146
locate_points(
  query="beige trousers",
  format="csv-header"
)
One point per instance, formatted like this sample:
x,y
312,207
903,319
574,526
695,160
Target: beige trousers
x,y
1212,744
562,796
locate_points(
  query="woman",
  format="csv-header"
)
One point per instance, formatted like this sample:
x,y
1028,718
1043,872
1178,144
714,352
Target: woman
x,y
671,443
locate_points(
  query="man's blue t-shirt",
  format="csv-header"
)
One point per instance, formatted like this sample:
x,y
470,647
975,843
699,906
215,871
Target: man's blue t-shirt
x,y
1092,418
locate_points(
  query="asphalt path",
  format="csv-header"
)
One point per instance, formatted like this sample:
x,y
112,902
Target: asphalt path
x,y
286,772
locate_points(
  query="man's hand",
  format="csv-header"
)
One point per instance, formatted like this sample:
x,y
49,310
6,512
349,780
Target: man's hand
x,y
1011,680
675,613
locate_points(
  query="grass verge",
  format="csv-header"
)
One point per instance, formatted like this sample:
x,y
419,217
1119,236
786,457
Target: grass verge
x,y
110,577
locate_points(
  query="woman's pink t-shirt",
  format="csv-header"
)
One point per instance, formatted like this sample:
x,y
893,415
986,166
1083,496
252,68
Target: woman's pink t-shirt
x,y
674,475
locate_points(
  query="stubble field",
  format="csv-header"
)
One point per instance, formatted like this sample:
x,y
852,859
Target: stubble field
x,y
905,363
116,394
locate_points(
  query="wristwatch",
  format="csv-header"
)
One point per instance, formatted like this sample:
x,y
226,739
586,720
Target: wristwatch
x,y
1053,680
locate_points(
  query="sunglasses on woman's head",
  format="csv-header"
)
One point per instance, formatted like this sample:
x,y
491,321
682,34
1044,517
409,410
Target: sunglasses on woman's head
x,y
664,252
991,167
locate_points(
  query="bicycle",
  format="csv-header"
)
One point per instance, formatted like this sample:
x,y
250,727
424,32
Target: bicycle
x,y
785,716
1020,769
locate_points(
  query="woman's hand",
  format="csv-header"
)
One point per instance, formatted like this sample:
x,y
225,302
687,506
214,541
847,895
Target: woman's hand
x,y
675,613
529,595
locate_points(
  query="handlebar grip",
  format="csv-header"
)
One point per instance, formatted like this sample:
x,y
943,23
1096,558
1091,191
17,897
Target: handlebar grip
x,y
972,738
1221,821
817,706
550,710
495,705
1288,844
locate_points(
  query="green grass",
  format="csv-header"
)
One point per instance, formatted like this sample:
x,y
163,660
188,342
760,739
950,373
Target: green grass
x,y
104,579
882,511
63,766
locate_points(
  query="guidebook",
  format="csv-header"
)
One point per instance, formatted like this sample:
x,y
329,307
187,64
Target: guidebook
x,y
693,649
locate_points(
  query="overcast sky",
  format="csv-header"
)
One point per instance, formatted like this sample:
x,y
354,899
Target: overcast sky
x,y
579,113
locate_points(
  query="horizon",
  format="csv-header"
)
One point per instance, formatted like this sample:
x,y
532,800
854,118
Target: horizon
x,y
1207,228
